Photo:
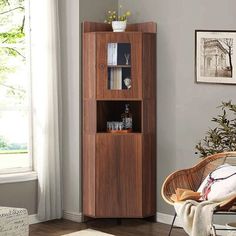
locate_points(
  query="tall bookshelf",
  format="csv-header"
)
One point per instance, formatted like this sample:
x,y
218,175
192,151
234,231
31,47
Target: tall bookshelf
x,y
119,169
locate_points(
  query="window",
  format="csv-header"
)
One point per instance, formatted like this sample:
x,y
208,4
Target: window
x,y
15,105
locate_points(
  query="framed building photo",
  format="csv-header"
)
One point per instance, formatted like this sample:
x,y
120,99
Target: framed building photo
x,y
215,56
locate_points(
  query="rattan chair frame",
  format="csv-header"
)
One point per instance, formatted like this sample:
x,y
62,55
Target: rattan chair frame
x,y
192,178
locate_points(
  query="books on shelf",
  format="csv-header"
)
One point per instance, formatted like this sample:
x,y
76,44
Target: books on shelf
x,y
112,49
115,78
118,61
118,54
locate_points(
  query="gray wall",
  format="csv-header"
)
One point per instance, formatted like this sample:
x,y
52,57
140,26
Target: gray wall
x,y
93,10
184,107
70,58
22,194
72,13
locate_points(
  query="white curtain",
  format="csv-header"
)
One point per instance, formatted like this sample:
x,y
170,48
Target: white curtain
x,y
45,55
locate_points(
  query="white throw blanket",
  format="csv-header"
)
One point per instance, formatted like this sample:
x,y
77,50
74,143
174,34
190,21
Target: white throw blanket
x,y
196,217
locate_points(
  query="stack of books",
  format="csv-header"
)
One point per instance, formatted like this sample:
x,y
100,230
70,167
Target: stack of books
x,y
115,78
112,50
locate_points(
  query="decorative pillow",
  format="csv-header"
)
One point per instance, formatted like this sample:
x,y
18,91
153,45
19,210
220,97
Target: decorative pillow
x,y
220,184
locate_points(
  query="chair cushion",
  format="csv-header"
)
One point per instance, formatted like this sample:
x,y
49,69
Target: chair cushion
x,y
222,185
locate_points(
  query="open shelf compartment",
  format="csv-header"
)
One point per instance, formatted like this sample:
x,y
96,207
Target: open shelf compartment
x,y
112,110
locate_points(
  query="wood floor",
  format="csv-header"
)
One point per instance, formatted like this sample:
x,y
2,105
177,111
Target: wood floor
x,y
128,227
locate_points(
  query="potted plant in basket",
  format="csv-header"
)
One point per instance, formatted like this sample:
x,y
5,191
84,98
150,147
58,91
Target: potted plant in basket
x,y
222,138
118,21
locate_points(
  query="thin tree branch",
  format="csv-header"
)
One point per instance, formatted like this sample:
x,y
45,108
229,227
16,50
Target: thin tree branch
x,y
227,42
11,87
7,2
22,8
23,25
5,41
13,49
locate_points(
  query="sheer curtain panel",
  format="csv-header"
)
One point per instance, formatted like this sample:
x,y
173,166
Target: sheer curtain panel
x,y
45,57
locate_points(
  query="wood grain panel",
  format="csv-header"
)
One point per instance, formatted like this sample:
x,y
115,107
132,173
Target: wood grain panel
x,y
89,66
135,39
89,116
149,175
89,123
149,66
149,124
118,175
88,174
149,116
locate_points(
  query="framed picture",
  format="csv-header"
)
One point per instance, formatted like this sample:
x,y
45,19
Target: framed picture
x,y
215,56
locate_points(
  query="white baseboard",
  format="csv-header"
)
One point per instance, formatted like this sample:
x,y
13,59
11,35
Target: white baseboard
x,y
76,217
167,219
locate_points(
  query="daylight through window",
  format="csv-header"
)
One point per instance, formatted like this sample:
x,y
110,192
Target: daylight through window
x,y
14,87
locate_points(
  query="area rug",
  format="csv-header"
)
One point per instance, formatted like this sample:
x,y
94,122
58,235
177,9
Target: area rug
x,y
88,232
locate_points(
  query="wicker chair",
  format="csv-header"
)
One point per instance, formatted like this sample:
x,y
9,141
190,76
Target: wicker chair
x,y
192,178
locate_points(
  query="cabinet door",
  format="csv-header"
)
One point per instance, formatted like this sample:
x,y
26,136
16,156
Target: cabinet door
x,y
118,175
119,65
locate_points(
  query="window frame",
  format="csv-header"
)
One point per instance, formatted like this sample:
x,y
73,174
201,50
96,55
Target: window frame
x,y
23,173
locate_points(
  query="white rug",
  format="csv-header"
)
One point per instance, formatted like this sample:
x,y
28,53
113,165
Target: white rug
x,y
88,232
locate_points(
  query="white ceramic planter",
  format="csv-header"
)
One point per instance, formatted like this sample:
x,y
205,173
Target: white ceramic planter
x,y
118,26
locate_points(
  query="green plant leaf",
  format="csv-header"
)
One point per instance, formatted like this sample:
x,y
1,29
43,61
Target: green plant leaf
x,y
223,136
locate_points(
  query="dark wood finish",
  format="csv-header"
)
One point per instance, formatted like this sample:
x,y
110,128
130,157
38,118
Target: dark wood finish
x,y
149,175
135,39
89,123
149,154
147,27
89,66
120,66
119,169
149,67
95,27
89,194
149,123
128,227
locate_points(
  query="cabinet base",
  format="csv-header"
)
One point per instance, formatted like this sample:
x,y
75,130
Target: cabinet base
x,y
151,218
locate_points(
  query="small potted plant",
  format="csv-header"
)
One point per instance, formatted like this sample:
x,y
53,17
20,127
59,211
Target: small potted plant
x,y
118,21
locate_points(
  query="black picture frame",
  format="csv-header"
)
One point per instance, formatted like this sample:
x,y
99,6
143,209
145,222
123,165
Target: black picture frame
x,y
215,56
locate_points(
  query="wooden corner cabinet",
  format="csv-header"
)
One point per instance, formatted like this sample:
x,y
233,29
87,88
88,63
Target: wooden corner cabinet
x,y
119,162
